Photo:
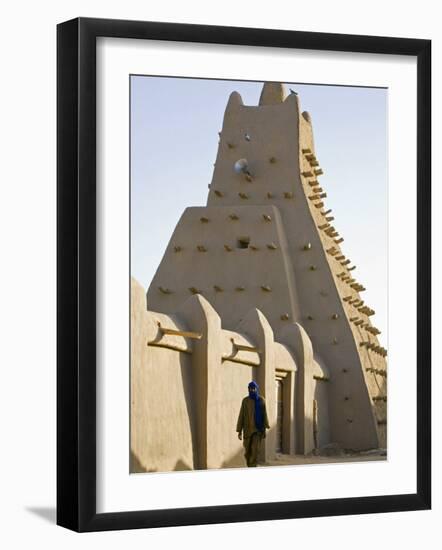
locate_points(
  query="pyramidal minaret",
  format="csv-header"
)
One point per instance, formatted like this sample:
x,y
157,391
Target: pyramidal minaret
x,y
267,240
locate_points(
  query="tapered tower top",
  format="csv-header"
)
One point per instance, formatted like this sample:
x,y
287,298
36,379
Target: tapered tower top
x,y
272,93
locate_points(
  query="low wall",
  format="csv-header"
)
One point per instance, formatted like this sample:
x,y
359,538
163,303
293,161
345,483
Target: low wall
x,y
161,398
188,379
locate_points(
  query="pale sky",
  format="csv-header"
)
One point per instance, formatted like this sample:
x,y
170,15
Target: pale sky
x,y
183,116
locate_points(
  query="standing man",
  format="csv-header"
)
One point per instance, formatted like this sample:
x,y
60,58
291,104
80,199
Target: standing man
x,y
253,421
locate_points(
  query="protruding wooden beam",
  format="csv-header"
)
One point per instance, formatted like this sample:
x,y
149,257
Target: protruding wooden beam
x,y
164,290
380,372
358,287
379,398
183,333
243,347
322,378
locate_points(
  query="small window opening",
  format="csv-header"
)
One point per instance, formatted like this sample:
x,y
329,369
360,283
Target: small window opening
x,y
243,242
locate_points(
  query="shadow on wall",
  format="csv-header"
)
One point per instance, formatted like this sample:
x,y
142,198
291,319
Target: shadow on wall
x,y
181,466
236,460
137,468
135,465
189,391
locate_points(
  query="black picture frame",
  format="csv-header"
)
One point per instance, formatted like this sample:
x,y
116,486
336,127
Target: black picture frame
x,y
77,287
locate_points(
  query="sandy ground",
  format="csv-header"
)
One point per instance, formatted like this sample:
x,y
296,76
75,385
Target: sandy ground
x,y
285,460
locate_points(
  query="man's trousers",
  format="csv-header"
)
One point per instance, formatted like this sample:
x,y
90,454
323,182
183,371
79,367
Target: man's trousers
x,y
252,445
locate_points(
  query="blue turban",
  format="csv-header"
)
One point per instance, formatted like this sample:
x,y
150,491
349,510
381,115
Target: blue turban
x,y
259,420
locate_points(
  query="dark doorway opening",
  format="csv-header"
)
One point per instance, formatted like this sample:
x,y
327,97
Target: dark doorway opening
x,y
279,415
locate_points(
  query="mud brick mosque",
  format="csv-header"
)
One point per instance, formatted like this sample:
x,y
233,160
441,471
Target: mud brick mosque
x,y
255,285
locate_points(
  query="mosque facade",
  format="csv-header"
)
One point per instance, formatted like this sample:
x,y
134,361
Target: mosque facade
x,y
255,286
